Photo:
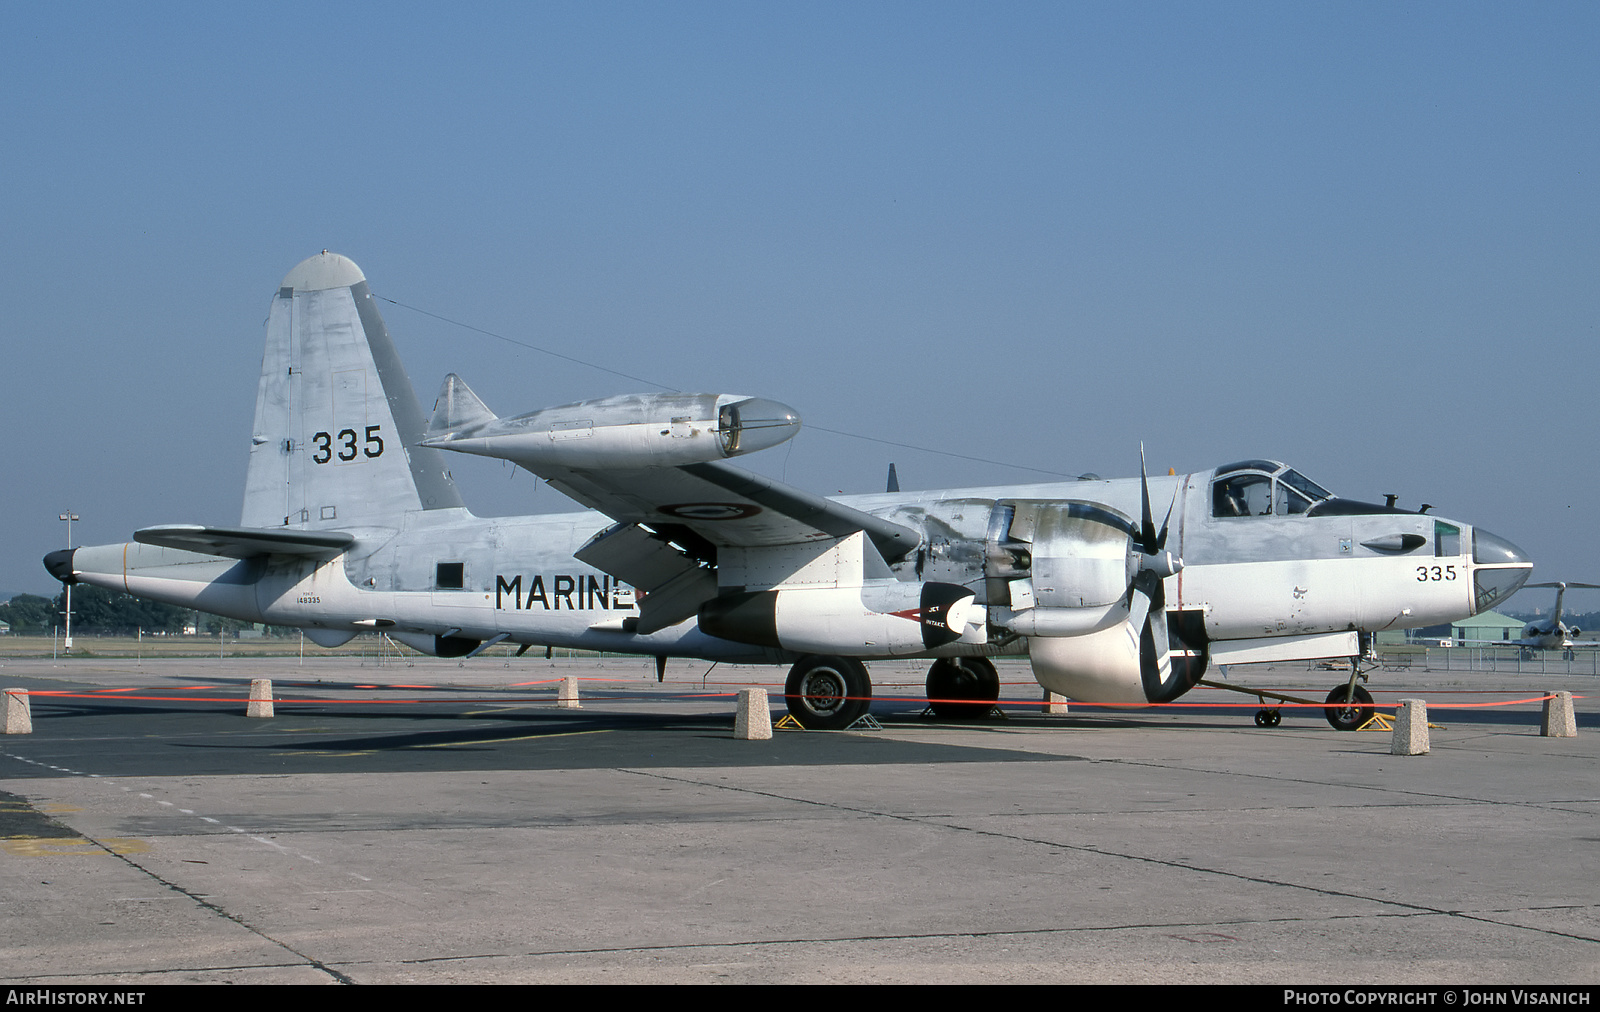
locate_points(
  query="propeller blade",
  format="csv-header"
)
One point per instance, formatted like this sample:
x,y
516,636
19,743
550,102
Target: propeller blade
x,y
1138,601
1151,542
1148,614
1155,650
1147,525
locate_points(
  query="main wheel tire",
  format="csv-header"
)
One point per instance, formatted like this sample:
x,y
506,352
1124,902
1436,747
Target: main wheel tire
x,y
962,678
828,693
1349,710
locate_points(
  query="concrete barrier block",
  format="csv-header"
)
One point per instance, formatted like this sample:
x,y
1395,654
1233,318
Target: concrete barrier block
x,y
753,721
1410,728
19,716
1054,702
567,697
1560,721
260,698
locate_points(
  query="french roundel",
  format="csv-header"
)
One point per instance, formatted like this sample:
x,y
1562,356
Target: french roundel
x,y
710,510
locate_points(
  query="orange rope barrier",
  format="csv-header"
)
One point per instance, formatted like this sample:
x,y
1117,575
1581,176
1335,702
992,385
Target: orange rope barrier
x,y
614,697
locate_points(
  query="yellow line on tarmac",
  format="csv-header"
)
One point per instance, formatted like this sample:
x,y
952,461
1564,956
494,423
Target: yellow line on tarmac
x,y
525,737
43,846
328,755
498,709
443,744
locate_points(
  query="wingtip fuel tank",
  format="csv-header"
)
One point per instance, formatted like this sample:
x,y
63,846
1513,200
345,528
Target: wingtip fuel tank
x,y
636,430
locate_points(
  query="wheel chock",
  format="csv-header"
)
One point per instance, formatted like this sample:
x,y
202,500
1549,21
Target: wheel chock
x,y
865,722
1379,722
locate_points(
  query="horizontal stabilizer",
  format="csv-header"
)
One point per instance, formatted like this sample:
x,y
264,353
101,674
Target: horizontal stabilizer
x,y
245,542
457,408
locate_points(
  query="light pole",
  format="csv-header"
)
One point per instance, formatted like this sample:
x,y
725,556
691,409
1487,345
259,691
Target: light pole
x,y
69,516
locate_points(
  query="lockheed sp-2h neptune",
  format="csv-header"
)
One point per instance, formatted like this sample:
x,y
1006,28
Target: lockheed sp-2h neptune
x,y
352,523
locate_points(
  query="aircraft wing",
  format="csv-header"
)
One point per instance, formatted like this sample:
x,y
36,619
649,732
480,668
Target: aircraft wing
x,y
245,542
725,505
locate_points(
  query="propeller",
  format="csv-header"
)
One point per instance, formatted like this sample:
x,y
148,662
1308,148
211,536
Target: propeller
x,y
1147,598
1152,543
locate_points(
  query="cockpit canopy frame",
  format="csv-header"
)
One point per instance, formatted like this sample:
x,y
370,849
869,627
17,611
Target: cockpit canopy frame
x,y
1251,488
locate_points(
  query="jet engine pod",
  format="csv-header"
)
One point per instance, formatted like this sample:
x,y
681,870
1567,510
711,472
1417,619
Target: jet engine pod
x,y
882,618
638,430
438,646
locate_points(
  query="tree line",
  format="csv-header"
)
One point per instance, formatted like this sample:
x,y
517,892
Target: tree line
x,y
100,612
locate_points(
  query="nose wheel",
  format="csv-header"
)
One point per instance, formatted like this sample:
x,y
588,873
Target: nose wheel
x,y
1349,707
1268,716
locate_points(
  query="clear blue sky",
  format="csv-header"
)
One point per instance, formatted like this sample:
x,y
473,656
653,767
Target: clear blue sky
x,y
1357,237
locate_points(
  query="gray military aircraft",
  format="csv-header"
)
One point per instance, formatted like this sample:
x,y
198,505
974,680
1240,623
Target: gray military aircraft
x,y
1552,633
352,523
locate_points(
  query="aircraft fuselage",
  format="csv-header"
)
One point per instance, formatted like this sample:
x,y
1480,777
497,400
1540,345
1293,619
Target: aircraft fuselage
x,y
447,573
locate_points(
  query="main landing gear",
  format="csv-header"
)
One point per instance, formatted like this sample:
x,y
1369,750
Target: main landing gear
x,y
828,693
962,688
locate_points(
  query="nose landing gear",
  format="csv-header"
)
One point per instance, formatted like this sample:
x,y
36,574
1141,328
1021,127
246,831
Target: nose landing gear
x,y
1349,706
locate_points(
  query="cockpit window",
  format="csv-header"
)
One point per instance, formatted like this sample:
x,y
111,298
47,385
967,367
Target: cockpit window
x,y
1290,503
1300,483
1269,466
1244,495
1258,495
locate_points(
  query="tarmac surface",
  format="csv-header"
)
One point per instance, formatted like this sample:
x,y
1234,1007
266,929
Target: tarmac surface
x,y
445,822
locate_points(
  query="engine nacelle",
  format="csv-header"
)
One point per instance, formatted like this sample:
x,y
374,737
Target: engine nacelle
x,y
1097,667
639,430
882,618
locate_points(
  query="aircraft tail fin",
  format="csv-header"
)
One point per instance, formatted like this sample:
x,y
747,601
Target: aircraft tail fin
x,y
457,408
337,422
